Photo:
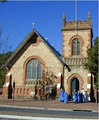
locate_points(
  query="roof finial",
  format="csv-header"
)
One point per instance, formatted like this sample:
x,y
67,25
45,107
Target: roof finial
x,y
64,19
89,16
33,25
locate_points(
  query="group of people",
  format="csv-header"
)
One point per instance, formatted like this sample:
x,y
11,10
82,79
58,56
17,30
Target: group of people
x,y
77,97
63,97
81,97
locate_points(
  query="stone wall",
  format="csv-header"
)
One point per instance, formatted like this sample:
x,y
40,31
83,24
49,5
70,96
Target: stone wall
x,y
40,51
83,35
79,73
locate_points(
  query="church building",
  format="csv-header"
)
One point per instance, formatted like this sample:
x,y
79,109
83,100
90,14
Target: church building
x,y
35,60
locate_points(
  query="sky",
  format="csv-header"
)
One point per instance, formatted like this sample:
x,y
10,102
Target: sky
x,y
16,19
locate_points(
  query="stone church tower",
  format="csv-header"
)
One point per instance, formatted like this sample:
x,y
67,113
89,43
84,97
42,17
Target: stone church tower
x,y
76,39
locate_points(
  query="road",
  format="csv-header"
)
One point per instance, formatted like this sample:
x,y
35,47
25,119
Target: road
x,y
34,112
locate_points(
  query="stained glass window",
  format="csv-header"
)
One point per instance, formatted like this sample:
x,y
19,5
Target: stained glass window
x,y
34,69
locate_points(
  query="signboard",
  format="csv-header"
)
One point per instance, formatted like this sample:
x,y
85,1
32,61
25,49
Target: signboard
x,y
47,88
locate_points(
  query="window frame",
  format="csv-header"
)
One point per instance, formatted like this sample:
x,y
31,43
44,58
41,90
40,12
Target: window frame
x,y
38,65
76,47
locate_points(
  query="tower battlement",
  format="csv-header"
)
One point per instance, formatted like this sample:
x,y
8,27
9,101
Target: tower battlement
x,y
70,25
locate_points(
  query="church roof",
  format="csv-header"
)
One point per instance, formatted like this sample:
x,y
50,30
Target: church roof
x,y
21,45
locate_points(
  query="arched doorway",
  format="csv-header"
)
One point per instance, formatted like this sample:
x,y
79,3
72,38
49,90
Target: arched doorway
x,y
74,85
70,80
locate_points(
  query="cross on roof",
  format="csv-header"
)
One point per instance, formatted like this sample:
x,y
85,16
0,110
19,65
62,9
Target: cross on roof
x,y
33,25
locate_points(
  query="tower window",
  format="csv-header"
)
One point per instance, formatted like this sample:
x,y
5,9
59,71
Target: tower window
x,y
76,47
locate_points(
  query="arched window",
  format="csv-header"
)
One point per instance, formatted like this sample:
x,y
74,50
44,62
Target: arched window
x,y
34,69
76,47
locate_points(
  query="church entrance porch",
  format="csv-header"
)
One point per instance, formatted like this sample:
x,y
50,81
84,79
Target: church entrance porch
x,y
75,81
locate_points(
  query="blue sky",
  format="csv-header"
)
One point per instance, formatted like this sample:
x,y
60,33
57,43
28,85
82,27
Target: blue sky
x,y
16,19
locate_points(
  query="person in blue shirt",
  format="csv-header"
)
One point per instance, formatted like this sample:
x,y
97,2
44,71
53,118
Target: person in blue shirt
x,y
61,96
65,97
75,96
79,97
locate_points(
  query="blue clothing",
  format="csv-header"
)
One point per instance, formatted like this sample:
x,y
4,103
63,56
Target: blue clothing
x,y
61,96
79,97
65,97
75,97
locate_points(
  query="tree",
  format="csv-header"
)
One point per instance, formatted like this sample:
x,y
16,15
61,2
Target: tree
x,y
4,43
48,78
92,60
3,58
47,86
4,54
3,0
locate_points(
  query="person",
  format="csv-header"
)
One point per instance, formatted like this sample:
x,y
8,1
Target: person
x,y
82,96
85,96
75,96
79,97
65,97
53,93
47,91
61,96
88,97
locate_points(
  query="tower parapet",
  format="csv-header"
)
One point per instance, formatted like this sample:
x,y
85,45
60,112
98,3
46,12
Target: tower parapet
x,y
70,25
80,25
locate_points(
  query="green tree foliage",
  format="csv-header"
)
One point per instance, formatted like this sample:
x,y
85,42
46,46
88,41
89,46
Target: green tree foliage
x,y
4,54
3,58
92,60
3,0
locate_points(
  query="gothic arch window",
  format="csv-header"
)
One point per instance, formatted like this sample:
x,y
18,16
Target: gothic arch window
x,y
34,70
76,47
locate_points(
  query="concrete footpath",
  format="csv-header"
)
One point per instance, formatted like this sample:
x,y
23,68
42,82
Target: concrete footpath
x,y
49,105
14,117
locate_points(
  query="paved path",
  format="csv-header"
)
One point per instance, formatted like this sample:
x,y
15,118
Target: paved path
x,y
51,104
40,112
14,117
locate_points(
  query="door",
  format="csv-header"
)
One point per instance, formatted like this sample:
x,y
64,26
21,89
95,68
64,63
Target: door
x,y
74,85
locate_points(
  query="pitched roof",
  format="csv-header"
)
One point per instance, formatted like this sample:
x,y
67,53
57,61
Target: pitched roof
x,y
21,45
